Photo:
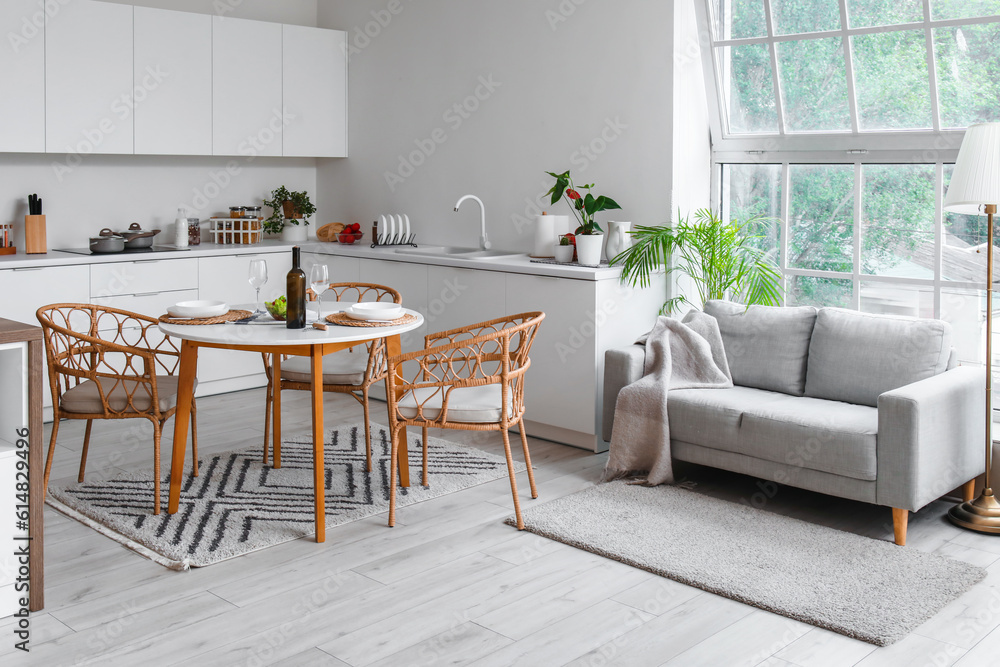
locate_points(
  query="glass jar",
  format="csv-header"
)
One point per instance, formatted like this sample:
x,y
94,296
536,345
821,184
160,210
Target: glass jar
x,y
194,231
237,212
252,211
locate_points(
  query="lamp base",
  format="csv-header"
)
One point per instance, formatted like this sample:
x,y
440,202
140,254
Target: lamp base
x,y
981,515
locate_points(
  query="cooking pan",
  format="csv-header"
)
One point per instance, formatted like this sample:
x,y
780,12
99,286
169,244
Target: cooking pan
x,y
136,237
107,242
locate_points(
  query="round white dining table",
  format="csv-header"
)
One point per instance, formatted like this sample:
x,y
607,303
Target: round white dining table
x,y
275,339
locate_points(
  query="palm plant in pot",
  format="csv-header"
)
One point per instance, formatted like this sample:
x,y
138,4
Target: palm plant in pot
x,y
289,208
720,258
589,235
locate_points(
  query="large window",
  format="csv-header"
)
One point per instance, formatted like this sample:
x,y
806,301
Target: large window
x,y
840,120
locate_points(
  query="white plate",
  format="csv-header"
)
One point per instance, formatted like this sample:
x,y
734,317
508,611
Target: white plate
x,y
194,309
375,312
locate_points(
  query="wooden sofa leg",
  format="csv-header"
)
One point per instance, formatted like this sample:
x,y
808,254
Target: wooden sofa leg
x,y
900,518
969,490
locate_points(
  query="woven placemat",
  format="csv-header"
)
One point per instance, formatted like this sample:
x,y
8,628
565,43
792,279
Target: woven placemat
x,y
345,320
231,316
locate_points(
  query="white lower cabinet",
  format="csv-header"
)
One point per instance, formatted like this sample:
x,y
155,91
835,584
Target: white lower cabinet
x,y
460,297
341,269
410,280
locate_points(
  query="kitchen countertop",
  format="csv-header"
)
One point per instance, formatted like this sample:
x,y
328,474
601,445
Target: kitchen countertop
x,y
57,258
513,264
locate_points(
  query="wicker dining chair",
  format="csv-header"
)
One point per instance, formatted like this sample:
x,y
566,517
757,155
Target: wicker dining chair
x,y
106,363
349,372
469,379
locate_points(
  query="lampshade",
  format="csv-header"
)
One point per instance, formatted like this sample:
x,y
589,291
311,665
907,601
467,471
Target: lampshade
x,y
976,178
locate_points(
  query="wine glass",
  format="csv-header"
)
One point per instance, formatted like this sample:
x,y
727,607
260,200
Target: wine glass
x,y
319,281
258,277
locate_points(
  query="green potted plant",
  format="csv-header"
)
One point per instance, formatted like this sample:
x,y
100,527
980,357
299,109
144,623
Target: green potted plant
x,y
289,209
589,235
720,258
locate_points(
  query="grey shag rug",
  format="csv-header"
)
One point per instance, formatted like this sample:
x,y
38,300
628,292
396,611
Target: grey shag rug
x,y
868,589
238,505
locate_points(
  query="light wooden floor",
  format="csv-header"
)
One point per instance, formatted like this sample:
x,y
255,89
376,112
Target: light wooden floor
x,y
451,584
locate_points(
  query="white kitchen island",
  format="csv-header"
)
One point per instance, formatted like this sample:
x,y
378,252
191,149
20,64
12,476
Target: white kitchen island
x,y
587,312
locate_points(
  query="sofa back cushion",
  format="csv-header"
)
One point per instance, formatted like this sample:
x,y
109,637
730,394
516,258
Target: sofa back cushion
x,y
767,348
854,357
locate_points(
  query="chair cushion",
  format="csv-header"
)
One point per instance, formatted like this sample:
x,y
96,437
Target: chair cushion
x,y
766,347
711,417
468,405
829,436
85,398
347,368
855,357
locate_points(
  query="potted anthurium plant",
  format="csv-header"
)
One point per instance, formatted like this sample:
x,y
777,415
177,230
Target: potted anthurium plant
x,y
289,208
589,235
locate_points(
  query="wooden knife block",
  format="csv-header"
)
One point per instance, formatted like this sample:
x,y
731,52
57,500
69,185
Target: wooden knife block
x,y
34,235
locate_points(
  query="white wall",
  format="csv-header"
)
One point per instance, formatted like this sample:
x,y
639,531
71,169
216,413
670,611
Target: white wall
x,y
566,72
112,191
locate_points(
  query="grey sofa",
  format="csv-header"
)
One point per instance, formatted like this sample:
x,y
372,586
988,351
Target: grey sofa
x,y
859,406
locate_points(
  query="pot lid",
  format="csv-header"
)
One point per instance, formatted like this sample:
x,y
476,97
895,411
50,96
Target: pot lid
x,y
135,230
105,234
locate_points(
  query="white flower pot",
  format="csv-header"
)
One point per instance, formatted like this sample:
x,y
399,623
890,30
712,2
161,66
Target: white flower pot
x,y
564,253
588,249
294,233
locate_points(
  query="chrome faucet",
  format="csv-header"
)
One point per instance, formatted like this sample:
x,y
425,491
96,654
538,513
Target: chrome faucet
x,y
484,242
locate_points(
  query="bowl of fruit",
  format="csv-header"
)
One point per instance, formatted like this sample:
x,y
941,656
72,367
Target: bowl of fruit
x,y
351,234
277,308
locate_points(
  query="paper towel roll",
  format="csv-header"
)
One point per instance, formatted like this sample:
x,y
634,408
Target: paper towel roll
x,y
547,229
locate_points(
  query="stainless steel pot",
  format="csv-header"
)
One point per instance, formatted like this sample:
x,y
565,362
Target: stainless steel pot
x,y
107,242
136,237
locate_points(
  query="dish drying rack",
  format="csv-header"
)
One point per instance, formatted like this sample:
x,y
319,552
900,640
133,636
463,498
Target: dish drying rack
x,y
237,231
389,230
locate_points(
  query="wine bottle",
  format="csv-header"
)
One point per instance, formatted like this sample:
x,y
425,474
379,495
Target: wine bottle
x,y
295,293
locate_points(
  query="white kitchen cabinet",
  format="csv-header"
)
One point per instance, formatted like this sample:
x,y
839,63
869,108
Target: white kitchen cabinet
x,y
460,297
247,88
173,82
315,92
341,269
410,280
560,388
142,277
22,77
27,290
90,101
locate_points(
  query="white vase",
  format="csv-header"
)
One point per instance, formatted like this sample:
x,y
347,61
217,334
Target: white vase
x,y
588,249
618,239
294,233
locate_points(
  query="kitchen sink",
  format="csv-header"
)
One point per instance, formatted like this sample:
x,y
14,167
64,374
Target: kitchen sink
x,y
458,252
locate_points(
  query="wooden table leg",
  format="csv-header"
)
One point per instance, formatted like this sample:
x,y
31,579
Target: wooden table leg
x,y
185,395
319,467
276,405
393,346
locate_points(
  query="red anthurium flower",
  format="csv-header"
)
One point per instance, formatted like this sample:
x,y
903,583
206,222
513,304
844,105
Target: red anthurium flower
x,y
573,194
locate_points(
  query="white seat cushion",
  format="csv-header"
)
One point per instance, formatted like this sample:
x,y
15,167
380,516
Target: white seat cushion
x,y
467,405
339,368
86,400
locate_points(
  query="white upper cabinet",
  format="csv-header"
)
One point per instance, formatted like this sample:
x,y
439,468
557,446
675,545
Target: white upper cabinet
x,y
246,96
88,78
173,82
22,77
315,92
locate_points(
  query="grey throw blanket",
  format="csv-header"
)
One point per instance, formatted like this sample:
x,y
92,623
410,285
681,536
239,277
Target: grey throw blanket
x,y
684,354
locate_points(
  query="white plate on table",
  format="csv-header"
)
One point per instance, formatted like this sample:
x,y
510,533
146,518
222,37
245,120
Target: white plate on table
x,y
198,309
375,312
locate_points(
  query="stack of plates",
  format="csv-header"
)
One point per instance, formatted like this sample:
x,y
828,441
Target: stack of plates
x,y
375,312
198,309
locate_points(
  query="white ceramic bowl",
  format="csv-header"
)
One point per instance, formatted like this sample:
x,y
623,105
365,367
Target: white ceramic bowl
x,y
193,309
375,311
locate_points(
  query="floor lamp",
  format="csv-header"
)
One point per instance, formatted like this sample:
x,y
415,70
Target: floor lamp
x,y
975,189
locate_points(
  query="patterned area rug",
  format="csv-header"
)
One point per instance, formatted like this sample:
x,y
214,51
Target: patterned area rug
x,y
868,589
238,505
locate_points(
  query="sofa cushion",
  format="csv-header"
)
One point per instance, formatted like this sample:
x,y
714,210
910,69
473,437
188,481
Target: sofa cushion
x,y
818,434
711,417
855,356
767,348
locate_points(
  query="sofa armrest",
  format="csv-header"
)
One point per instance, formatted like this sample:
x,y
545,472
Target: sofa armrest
x,y
931,437
622,367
